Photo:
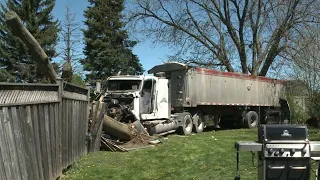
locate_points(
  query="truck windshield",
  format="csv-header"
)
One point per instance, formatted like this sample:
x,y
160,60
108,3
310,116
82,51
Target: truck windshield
x,y
123,85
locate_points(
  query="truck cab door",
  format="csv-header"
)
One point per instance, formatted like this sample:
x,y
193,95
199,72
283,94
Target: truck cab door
x,y
162,99
154,100
147,97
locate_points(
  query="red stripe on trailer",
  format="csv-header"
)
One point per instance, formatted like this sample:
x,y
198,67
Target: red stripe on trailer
x,y
223,104
237,75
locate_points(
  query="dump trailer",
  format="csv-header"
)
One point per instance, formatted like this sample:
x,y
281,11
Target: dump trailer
x,y
187,98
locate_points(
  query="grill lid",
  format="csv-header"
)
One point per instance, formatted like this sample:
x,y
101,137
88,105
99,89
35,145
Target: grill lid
x,y
282,132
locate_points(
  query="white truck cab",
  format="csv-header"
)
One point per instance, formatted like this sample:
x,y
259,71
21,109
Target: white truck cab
x,y
147,97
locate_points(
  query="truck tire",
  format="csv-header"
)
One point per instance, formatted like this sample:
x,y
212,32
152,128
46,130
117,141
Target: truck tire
x,y
186,124
198,122
251,119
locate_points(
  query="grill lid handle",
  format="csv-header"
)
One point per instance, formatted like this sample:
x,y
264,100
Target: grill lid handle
x,y
277,167
298,167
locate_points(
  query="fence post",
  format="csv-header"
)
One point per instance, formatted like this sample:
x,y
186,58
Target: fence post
x,y
87,125
60,93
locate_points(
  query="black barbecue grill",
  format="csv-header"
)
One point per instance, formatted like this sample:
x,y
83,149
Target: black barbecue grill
x,y
284,152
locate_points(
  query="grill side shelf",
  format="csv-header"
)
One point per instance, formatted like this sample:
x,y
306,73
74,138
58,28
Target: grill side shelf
x,y
248,146
315,148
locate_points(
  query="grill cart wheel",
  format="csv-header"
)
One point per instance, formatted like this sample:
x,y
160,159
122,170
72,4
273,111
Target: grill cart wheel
x,y
198,122
251,119
186,124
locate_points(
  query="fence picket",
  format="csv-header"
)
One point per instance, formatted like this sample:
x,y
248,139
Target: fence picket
x,y
52,139
11,145
47,134
36,131
31,145
4,151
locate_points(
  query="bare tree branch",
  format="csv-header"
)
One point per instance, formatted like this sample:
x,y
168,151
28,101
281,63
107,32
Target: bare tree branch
x,y
241,34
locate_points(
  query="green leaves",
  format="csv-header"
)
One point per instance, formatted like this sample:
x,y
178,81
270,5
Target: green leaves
x,y
37,17
106,43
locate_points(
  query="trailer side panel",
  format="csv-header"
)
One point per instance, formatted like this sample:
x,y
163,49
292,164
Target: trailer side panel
x,y
210,87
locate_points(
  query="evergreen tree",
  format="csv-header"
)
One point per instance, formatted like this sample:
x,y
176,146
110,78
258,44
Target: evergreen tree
x,y
107,47
36,16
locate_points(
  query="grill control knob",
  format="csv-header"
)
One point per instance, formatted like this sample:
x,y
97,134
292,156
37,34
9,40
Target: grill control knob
x,y
276,153
293,151
304,150
270,151
281,151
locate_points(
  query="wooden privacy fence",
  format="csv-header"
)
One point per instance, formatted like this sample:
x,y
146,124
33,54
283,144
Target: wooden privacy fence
x,y
42,129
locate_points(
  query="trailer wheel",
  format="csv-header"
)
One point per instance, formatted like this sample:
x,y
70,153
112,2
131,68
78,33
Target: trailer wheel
x,y
198,122
186,125
251,119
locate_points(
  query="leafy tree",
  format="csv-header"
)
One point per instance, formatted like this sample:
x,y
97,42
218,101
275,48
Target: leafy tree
x,y
107,48
240,35
76,79
5,76
36,16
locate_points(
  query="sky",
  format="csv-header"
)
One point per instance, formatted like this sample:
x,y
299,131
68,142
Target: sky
x,y
149,54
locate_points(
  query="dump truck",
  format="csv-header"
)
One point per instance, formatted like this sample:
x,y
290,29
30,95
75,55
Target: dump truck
x,y
186,99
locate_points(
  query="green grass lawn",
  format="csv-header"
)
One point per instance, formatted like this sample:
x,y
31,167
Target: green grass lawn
x,y
209,155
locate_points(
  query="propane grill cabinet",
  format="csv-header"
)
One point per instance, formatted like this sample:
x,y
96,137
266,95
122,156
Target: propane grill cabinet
x,y
284,152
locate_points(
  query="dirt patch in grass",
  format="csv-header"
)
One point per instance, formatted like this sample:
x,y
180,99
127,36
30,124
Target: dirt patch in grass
x,y
139,140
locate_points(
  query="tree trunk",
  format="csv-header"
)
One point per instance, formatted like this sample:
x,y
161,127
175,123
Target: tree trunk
x,y
67,72
117,129
19,30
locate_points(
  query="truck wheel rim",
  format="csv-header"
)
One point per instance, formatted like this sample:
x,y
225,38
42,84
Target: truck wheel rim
x,y
199,121
253,121
188,124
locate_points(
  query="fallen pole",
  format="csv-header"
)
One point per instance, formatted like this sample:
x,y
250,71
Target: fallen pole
x,y
19,30
117,129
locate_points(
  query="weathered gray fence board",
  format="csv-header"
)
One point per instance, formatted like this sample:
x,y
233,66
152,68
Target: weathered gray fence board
x,y
70,132
48,140
41,132
6,174
31,144
66,133
79,119
2,173
43,142
36,131
25,139
73,127
57,142
82,127
79,133
52,139
11,145
63,135
19,142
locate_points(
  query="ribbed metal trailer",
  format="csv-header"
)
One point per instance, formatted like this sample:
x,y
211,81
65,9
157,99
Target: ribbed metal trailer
x,y
225,97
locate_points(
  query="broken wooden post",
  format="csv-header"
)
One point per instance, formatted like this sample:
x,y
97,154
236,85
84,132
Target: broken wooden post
x,y
19,30
97,111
